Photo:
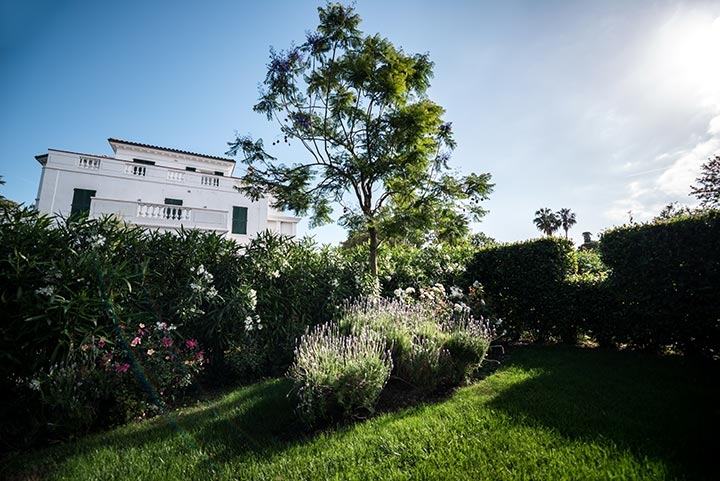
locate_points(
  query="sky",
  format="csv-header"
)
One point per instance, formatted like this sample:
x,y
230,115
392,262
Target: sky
x,y
608,108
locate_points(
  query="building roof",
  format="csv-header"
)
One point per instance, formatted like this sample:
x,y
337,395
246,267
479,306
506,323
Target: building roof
x,y
166,149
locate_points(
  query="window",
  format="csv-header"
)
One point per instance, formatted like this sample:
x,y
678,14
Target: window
x,y
169,201
81,202
217,172
239,220
144,162
190,169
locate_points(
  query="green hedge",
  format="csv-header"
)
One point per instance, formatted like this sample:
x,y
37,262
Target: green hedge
x,y
521,282
666,279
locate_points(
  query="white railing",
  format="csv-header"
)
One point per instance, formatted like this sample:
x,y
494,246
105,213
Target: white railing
x,y
158,211
154,173
176,176
210,181
162,216
89,163
133,169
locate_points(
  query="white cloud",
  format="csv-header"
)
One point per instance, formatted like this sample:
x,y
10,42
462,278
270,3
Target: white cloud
x,y
714,127
685,169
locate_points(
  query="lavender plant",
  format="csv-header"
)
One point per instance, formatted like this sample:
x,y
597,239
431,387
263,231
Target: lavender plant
x,y
339,375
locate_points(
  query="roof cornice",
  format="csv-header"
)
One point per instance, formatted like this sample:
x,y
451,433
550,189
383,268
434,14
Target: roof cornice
x,y
139,147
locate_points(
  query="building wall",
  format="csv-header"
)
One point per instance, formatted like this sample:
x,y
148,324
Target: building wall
x,y
137,193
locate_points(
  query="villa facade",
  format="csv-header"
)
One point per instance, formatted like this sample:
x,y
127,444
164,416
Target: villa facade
x,y
158,188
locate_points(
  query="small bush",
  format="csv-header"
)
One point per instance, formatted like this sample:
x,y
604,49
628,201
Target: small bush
x,y
339,375
422,329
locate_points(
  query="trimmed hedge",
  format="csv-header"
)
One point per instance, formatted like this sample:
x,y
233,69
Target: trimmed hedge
x,y
666,279
521,282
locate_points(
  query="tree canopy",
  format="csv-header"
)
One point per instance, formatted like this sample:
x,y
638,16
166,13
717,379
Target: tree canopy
x,y
708,190
375,143
567,219
546,221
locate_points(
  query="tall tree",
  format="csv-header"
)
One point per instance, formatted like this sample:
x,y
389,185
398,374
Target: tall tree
x,y
546,221
567,220
708,192
375,143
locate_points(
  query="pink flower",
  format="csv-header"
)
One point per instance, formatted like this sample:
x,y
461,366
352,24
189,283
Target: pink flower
x,y
101,343
135,342
122,326
199,356
142,326
122,367
191,344
167,342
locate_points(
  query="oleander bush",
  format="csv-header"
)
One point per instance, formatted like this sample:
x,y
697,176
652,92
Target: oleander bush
x,y
64,281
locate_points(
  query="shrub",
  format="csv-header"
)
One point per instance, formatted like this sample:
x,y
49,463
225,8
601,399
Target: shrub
x,y
297,284
422,329
666,279
521,282
339,375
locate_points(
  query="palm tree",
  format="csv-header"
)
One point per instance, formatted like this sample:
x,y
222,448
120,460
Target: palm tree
x,y
546,221
567,220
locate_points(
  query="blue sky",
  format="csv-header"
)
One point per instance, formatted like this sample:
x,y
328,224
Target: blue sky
x,y
602,107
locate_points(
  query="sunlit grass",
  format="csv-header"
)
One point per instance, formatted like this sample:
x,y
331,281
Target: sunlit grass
x,y
548,413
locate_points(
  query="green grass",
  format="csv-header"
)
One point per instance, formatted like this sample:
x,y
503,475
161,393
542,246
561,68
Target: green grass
x,y
548,413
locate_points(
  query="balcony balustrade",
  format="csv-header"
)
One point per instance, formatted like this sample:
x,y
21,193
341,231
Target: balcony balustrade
x,y
162,216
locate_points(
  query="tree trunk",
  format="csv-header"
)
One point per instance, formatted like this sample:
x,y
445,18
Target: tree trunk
x,y
372,231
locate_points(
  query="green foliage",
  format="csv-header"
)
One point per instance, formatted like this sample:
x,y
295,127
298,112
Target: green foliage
x,y
708,190
376,144
546,221
297,284
65,281
590,263
666,278
339,375
521,281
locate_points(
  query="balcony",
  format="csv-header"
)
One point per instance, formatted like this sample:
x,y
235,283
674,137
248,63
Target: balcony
x,y
155,173
161,216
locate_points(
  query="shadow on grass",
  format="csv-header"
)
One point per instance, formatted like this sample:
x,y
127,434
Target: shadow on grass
x,y
663,408
255,419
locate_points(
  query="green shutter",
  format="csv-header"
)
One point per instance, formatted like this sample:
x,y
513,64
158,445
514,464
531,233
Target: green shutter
x,y
81,201
169,201
239,220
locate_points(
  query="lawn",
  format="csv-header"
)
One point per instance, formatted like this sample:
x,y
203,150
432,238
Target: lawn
x,y
549,412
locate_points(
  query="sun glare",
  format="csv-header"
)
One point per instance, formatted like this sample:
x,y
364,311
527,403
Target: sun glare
x,y
685,57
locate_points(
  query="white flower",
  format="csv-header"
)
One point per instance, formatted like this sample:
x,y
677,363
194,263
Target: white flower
x,y
45,291
195,287
34,384
252,294
275,274
398,292
201,270
410,290
248,323
98,240
477,284
456,292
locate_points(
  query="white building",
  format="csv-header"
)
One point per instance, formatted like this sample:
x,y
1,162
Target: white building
x,y
155,187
